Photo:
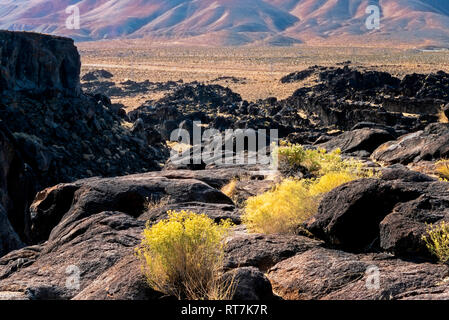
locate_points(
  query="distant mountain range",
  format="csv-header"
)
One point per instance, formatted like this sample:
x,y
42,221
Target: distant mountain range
x,y
237,22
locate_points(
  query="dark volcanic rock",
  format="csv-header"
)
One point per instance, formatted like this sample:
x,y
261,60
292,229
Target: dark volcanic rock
x,y
17,190
89,246
346,96
335,275
299,75
9,240
93,226
123,281
346,78
50,63
50,132
216,211
264,251
430,144
250,284
97,75
365,139
65,203
390,215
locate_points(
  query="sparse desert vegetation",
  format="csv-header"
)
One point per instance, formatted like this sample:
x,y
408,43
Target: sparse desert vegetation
x,y
437,241
442,168
285,208
183,257
253,72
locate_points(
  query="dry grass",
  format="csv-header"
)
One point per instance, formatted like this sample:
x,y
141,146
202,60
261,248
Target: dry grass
x,y
442,117
156,204
230,189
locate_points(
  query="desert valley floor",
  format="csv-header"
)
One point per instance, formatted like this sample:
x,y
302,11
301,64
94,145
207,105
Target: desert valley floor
x,y
257,70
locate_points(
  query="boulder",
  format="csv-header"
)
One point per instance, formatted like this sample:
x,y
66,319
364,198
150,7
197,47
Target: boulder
x,y
264,251
376,214
325,274
65,203
249,284
9,240
123,281
432,143
72,259
365,139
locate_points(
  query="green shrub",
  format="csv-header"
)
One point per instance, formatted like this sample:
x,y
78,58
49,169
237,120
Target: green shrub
x,y
183,256
437,241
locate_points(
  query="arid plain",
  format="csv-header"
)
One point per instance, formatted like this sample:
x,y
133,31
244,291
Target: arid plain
x,y
253,72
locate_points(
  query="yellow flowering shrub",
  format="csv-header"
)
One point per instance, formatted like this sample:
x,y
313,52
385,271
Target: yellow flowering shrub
x,y
318,162
183,256
442,168
291,203
437,241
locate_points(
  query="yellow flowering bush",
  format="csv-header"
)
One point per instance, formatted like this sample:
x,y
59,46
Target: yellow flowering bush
x,y
318,162
183,256
442,168
291,203
437,241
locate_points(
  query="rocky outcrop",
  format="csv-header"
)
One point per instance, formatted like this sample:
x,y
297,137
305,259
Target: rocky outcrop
x,y
91,227
432,143
50,132
61,205
75,257
390,214
51,64
264,251
17,190
215,211
327,274
123,281
9,240
249,284
365,139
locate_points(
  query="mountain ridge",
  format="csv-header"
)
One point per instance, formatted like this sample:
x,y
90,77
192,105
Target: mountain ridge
x,y
233,22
